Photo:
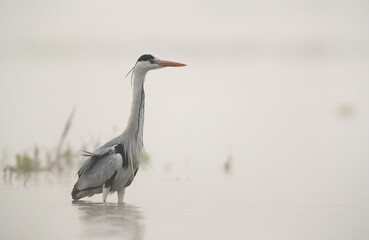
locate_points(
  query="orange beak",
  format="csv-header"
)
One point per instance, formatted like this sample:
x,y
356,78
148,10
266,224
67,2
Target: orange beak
x,y
169,63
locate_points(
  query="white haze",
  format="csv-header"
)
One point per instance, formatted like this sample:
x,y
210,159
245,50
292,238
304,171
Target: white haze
x,y
267,82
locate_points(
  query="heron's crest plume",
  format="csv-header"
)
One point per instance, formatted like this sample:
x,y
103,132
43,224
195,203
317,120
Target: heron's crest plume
x,y
145,57
131,71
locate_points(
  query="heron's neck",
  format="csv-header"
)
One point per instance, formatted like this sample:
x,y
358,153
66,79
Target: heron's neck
x,y
135,124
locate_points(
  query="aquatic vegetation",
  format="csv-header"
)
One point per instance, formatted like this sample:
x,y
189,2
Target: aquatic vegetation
x,y
62,158
26,163
144,160
44,159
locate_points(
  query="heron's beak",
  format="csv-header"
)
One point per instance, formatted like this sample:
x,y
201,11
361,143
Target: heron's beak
x,y
165,63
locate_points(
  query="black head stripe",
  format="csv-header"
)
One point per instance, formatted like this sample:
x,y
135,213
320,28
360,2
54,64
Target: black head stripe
x,y
146,57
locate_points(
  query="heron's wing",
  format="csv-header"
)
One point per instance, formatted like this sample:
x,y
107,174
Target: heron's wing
x,y
103,171
108,148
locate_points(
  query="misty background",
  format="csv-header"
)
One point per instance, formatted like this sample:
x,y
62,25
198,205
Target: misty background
x,y
271,83
279,87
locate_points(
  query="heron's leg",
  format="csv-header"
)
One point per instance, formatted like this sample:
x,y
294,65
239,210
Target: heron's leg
x,y
121,194
106,191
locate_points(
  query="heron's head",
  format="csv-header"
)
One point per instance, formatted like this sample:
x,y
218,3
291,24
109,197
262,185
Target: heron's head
x,y
148,62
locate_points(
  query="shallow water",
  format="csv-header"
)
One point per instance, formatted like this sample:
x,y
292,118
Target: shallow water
x,y
279,88
158,206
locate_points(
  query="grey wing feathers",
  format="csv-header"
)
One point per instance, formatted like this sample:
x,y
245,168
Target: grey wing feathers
x,y
106,149
100,172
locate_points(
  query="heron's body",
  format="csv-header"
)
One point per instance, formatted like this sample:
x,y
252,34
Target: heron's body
x,y
113,166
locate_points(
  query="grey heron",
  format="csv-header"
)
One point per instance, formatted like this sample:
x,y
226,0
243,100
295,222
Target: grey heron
x,y
112,167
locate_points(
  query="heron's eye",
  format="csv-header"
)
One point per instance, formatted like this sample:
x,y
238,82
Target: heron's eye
x,y
152,61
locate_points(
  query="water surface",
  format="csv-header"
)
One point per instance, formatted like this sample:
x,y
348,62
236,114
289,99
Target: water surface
x,y
161,207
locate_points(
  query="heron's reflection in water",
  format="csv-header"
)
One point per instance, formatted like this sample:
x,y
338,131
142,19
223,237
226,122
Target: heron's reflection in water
x,y
110,220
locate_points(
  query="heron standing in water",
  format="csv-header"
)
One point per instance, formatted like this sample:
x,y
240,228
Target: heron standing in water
x,y
112,167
